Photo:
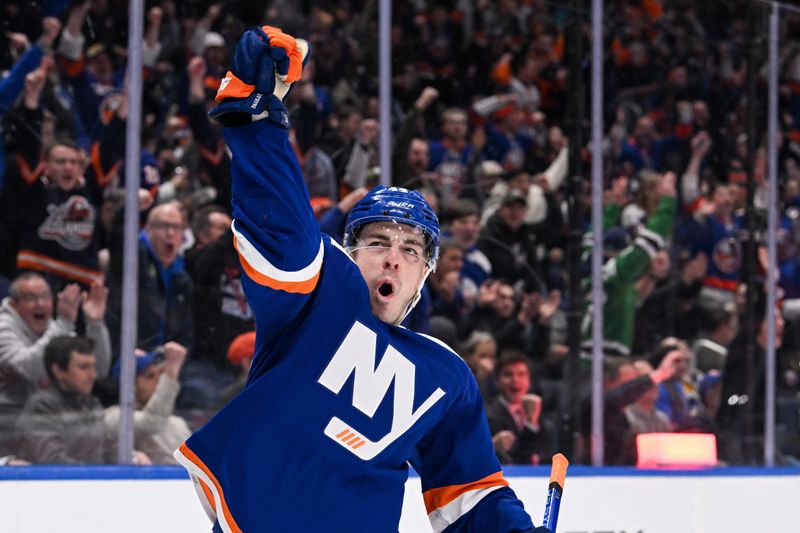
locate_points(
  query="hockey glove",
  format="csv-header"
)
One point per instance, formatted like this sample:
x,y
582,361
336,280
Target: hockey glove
x,y
265,65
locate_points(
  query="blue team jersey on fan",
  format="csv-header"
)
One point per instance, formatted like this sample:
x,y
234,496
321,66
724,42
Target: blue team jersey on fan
x,y
337,402
723,247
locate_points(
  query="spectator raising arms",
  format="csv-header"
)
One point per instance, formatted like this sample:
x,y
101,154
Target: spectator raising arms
x,y
26,328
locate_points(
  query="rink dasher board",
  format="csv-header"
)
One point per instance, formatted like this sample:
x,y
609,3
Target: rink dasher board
x,y
134,499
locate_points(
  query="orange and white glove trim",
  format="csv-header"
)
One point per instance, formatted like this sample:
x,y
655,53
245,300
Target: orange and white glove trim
x,y
233,87
283,40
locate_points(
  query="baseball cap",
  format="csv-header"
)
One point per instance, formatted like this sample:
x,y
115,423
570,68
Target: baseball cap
x,y
143,362
213,38
504,111
514,196
320,204
616,239
242,347
489,168
95,50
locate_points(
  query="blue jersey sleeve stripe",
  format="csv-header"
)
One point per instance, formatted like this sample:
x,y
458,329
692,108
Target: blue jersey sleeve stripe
x,y
195,466
445,516
261,270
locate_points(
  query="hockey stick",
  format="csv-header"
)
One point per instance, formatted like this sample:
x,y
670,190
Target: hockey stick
x,y
557,474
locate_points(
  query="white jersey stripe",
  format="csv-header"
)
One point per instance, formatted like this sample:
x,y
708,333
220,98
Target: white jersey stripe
x,y
263,266
443,517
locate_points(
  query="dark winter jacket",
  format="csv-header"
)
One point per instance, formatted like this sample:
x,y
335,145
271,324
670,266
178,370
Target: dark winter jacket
x,y
61,427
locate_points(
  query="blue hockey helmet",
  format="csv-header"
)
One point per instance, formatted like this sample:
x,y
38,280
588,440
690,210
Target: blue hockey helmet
x,y
398,205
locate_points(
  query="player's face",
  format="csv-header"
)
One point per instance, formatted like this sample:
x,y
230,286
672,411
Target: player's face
x,y
466,230
484,355
391,258
165,230
451,261
455,126
80,373
724,200
34,304
63,167
514,381
218,225
418,155
514,214
506,301
101,68
146,383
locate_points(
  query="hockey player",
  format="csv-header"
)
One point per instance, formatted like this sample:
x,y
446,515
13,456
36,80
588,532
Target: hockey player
x,y
339,399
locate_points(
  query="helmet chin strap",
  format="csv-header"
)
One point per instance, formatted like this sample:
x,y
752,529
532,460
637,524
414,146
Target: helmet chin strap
x,y
415,299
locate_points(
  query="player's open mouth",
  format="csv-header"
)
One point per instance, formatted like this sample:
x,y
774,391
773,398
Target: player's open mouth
x,y
385,289
39,316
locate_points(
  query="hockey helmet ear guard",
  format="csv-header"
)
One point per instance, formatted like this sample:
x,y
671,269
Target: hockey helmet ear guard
x,y
400,206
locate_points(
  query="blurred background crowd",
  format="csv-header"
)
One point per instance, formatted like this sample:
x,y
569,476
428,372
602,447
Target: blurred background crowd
x,y
479,117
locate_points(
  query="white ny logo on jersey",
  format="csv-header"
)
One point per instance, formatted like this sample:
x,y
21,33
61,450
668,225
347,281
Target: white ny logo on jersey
x,y
357,354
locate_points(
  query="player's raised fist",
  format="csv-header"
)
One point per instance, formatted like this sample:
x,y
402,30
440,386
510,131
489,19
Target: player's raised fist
x,y
266,63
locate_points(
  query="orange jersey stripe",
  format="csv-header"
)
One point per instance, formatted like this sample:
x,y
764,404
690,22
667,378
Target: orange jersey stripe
x,y
28,174
502,73
209,496
72,68
103,178
653,8
294,287
696,204
212,83
189,454
719,283
28,259
438,498
214,157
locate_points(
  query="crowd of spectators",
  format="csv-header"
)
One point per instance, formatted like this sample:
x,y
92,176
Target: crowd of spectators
x,y
478,115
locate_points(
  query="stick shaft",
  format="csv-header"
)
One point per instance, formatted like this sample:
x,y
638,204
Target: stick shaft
x,y
552,506
558,473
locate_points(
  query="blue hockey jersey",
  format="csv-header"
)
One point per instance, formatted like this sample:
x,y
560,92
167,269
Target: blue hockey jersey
x,y
337,402
722,245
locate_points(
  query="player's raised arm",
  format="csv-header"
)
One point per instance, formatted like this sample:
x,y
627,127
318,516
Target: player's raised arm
x,y
276,234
